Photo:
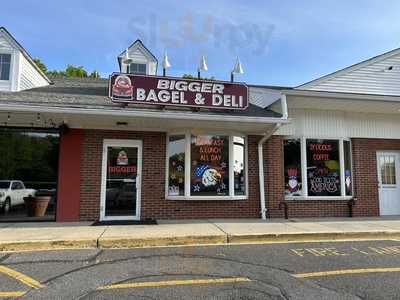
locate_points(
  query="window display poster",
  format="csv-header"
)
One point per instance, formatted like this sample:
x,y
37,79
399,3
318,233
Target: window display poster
x,y
210,165
323,168
292,159
176,181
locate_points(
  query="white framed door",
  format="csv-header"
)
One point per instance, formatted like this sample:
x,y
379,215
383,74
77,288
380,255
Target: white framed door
x,y
388,165
121,180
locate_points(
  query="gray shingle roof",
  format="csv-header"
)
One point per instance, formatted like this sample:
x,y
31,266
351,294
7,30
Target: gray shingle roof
x,y
93,93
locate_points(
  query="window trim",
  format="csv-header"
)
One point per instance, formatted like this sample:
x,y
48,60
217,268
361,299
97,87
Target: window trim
x,y
128,68
304,179
187,196
10,75
379,170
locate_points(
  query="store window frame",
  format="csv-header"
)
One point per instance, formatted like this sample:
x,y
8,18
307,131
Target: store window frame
x,y
134,68
304,163
48,130
187,196
10,66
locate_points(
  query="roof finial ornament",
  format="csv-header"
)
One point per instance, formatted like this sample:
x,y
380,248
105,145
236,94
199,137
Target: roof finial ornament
x,y
165,63
237,69
202,66
127,61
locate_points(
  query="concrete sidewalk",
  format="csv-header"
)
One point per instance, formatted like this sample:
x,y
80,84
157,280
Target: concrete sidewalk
x,y
38,236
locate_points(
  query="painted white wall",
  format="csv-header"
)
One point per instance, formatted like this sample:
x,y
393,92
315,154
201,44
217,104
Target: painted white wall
x,y
337,124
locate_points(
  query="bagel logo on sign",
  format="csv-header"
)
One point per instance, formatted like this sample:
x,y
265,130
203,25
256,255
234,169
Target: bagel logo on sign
x,y
122,159
122,88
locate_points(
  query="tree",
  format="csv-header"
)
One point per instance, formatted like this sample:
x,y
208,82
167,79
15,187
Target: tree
x,y
40,65
70,71
94,74
73,71
190,76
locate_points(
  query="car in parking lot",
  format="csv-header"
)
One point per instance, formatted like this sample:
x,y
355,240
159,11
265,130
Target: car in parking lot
x,y
12,193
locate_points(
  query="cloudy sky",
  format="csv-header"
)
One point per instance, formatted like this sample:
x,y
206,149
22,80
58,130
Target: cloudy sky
x,y
279,42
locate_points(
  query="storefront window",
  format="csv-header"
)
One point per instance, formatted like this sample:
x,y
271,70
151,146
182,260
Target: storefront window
x,y
28,174
239,166
322,165
292,158
323,168
209,165
347,168
215,166
176,156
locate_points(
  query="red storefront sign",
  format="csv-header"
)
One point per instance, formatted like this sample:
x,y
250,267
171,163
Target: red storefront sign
x,y
156,90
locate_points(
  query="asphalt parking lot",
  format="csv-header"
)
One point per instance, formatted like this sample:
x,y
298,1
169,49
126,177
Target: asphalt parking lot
x,y
329,270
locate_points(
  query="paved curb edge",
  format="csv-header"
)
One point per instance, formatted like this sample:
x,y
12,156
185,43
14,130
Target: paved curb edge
x,y
223,239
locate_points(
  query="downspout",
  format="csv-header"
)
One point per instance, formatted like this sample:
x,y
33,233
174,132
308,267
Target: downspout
x,y
266,136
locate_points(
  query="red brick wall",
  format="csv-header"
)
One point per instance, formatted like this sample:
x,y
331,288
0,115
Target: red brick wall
x,y
153,202
364,178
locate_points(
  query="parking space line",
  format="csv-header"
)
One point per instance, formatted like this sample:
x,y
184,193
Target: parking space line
x,y
174,283
11,294
29,281
346,271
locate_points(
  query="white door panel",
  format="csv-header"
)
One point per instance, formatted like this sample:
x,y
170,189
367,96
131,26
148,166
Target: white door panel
x,y
121,185
388,165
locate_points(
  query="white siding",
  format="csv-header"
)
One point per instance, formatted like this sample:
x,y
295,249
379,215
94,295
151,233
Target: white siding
x,y
371,77
334,124
137,55
30,77
4,43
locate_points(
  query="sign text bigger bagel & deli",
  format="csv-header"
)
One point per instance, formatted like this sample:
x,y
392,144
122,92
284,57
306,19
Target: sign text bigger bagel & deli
x,y
156,90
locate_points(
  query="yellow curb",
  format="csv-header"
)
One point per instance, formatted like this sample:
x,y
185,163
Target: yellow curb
x,y
132,242
117,242
48,244
316,236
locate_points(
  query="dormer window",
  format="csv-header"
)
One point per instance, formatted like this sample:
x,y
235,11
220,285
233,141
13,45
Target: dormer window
x,y
5,61
136,68
137,59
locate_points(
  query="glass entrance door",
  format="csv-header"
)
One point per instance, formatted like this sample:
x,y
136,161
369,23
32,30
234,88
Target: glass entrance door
x,y
121,180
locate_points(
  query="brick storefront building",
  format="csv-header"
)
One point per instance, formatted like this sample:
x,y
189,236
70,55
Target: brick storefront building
x,y
315,148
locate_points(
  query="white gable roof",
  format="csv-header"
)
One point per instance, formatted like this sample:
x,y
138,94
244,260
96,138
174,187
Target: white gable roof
x,y
138,51
10,41
379,75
